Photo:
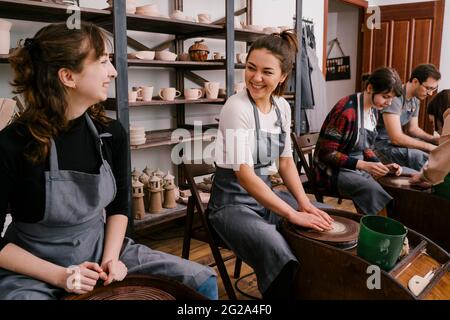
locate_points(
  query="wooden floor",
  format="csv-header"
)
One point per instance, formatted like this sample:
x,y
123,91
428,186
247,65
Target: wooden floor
x,y
170,240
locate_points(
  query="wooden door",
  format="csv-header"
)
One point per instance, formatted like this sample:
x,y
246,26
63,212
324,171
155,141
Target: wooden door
x,y
410,34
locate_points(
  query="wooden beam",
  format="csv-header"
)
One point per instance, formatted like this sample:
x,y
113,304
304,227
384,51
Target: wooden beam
x,y
195,78
165,45
236,14
359,3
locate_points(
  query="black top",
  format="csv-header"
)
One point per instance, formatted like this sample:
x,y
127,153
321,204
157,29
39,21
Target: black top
x,y
22,184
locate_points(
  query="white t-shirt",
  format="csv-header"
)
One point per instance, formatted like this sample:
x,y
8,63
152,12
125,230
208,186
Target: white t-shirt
x,y
236,140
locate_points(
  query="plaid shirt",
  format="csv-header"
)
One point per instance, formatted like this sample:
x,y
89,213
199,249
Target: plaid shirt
x,y
336,140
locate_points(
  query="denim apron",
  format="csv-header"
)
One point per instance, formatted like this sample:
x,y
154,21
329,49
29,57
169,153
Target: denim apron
x,y
72,232
248,228
359,185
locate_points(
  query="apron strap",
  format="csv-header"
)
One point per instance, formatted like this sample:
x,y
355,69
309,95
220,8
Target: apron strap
x,y
98,138
258,127
54,166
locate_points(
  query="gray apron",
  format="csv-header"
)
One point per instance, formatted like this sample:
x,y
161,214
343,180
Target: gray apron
x,y
72,232
406,157
248,228
359,185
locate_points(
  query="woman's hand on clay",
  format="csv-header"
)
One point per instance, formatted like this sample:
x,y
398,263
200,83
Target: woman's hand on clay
x,y
308,220
82,278
116,270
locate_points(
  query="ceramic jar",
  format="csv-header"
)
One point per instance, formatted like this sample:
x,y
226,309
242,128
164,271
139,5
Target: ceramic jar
x,y
198,51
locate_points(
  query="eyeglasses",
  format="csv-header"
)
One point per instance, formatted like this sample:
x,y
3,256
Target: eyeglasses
x,y
429,89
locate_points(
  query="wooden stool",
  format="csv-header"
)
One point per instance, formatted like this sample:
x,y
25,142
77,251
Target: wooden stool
x,y
140,287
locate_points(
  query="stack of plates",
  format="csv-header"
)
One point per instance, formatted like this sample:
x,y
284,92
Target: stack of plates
x,y
137,135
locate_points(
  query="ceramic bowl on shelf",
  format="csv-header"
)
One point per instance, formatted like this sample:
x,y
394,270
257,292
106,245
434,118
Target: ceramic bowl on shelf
x,y
184,57
165,55
270,30
177,14
143,55
283,28
241,57
148,10
254,27
204,18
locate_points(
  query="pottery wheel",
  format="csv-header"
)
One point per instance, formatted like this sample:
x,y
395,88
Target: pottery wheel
x,y
344,234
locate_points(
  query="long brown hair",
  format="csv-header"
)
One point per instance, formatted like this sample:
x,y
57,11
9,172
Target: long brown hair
x,y
36,63
284,47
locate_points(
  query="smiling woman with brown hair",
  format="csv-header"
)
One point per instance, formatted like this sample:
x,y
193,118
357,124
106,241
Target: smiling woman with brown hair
x,y
63,166
254,135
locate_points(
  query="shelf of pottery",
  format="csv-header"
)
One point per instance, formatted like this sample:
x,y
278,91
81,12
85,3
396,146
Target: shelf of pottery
x,y
157,199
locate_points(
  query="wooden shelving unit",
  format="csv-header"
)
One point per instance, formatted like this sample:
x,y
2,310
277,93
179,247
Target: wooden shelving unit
x,y
191,65
153,219
45,12
117,21
4,58
164,138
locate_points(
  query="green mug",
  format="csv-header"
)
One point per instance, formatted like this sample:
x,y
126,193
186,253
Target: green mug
x,y
380,240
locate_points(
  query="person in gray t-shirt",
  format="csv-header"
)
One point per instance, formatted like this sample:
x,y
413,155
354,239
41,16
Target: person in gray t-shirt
x,y
400,139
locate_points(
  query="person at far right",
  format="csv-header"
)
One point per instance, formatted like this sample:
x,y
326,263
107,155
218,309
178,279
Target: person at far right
x,y
436,171
400,139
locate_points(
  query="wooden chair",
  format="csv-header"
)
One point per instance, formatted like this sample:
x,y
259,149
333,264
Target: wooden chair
x,y
205,232
304,147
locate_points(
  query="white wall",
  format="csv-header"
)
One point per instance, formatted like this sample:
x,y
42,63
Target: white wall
x,y
445,50
280,13
343,25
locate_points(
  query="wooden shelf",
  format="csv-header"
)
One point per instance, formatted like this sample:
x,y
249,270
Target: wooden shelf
x,y
170,26
247,35
4,58
164,138
110,104
153,219
187,29
45,12
192,65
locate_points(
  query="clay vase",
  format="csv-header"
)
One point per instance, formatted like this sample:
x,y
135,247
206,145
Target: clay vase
x,y
137,206
169,192
155,200
144,179
155,205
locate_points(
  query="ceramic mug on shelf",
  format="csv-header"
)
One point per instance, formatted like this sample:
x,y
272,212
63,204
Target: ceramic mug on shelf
x,y
147,93
193,94
212,90
169,94
241,57
218,56
204,18
238,87
133,95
